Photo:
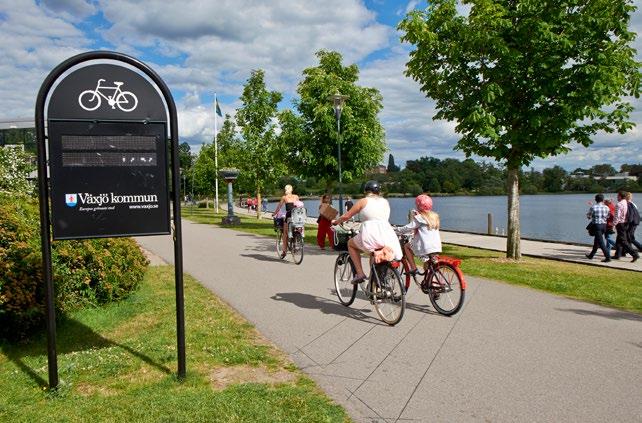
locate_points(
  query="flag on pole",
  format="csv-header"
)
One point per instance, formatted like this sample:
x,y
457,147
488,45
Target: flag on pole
x,y
218,109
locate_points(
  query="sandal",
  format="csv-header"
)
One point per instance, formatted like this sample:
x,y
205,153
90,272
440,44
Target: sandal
x,y
358,279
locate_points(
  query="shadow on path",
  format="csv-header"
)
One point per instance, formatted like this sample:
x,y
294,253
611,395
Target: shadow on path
x,y
324,305
609,314
73,336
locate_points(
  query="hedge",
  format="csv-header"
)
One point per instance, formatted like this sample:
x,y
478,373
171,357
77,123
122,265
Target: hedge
x,y
85,273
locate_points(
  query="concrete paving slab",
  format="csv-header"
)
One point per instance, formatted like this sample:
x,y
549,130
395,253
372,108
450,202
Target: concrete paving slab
x,y
511,354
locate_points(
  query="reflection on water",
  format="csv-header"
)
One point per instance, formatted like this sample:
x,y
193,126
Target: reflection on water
x,y
550,217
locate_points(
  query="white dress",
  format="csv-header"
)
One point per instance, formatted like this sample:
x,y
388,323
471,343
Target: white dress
x,y
376,231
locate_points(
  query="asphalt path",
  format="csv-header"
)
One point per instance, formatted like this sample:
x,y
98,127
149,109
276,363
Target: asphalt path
x,y
511,354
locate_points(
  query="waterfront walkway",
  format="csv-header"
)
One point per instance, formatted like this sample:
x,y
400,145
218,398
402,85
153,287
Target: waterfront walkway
x,y
549,250
511,354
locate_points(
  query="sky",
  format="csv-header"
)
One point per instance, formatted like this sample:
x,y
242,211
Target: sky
x,y
200,47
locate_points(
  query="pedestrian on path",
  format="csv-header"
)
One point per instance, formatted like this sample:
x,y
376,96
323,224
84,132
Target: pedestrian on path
x,y
610,227
622,244
324,229
633,218
598,215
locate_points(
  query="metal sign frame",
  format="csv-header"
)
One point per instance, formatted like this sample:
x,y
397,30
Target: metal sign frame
x,y
44,197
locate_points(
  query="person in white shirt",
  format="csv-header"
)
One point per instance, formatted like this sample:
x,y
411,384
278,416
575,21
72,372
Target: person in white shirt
x,y
376,232
424,226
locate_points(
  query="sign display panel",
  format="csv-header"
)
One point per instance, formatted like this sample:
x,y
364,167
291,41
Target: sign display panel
x,y
108,179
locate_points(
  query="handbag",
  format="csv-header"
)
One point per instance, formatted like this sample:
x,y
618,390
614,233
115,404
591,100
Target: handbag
x,y
591,229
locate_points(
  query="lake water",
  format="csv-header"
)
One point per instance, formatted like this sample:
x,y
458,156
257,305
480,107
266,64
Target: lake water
x,y
549,217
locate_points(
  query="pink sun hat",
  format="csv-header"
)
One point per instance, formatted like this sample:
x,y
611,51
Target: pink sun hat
x,y
423,202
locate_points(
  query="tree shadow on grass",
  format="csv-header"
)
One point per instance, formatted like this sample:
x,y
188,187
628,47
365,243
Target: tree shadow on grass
x,y
72,336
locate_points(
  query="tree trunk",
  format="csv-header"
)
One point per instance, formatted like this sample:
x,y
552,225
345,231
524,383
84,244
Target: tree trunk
x,y
512,241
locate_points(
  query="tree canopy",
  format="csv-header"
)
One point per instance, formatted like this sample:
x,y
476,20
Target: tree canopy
x,y
525,78
258,157
309,135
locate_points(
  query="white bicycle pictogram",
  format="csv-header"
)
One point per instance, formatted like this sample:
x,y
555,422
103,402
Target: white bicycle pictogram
x,y
92,99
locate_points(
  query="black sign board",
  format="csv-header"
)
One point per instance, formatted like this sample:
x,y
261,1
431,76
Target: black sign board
x,y
107,155
104,167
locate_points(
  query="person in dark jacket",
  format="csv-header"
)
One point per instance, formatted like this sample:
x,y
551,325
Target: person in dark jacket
x,y
633,226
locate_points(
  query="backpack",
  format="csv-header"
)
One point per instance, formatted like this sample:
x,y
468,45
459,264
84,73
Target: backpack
x,y
632,214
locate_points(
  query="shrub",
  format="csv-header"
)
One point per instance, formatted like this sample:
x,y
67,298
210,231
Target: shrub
x,y
85,273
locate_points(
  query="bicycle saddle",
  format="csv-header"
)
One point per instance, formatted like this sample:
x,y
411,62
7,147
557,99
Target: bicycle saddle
x,y
118,84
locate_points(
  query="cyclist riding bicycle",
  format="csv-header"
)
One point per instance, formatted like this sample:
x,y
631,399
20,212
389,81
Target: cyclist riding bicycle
x,y
424,226
288,200
376,232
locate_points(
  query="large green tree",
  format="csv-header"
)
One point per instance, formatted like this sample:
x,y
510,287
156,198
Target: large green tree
x,y
309,135
525,78
259,157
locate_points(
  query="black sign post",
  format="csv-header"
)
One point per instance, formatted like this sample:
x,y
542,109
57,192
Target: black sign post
x,y
103,164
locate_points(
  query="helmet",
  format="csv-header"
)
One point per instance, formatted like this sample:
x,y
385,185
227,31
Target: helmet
x,y
372,186
423,202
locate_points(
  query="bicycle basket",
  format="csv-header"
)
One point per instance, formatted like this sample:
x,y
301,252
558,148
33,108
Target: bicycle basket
x,y
340,238
298,217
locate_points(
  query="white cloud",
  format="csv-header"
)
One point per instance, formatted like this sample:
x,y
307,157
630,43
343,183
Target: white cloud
x,y
202,46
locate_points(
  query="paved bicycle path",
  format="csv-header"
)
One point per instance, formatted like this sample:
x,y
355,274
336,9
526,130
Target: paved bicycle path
x,y
511,354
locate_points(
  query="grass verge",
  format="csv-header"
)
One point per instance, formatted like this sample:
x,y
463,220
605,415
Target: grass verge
x,y
118,363
609,287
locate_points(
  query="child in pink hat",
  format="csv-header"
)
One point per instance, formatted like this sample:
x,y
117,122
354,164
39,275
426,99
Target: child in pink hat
x,y
424,227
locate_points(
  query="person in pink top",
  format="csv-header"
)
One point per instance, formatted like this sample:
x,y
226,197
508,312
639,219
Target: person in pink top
x,y
622,243
376,232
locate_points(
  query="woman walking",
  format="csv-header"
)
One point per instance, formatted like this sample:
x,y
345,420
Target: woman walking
x,y
324,230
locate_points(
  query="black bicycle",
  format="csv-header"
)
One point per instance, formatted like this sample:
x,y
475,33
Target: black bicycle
x,y
383,287
295,239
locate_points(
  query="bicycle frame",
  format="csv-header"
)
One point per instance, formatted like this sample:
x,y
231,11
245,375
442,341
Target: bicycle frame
x,y
431,267
115,89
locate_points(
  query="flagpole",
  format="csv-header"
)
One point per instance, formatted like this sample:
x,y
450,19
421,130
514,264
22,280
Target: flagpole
x,y
215,155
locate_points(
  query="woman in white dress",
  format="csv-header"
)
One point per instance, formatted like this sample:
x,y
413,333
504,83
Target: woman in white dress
x,y
376,232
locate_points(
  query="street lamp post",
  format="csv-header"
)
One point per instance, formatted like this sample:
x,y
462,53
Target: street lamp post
x,y
338,100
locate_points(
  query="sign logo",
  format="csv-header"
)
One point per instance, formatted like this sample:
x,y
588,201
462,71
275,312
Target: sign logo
x,y
71,200
92,99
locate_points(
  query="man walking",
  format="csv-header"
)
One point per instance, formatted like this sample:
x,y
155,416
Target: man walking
x,y
622,243
598,213
633,218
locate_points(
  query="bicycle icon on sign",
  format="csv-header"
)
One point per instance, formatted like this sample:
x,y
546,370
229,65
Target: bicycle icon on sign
x,y
92,99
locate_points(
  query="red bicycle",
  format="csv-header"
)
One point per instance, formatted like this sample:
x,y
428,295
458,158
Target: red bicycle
x,y
442,280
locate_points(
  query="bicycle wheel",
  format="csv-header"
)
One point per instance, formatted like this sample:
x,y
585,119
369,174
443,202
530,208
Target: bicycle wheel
x,y
343,274
279,242
89,100
445,290
390,295
126,101
297,248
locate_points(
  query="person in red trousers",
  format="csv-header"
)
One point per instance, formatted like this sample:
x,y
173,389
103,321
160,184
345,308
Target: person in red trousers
x,y
324,228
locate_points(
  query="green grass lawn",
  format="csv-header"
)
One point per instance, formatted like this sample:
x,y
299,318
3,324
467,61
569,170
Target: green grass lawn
x,y
600,285
118,363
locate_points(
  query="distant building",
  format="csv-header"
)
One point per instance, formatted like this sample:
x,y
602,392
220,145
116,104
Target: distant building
x,y
381,170
624,176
